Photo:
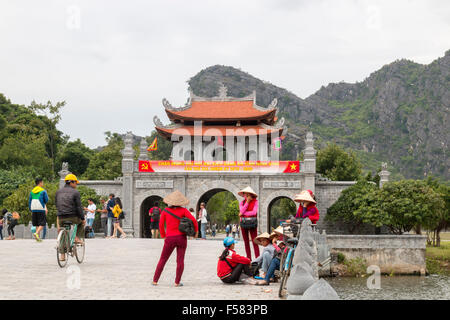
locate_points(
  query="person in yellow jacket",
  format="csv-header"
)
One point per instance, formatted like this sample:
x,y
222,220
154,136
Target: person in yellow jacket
x,y
117,210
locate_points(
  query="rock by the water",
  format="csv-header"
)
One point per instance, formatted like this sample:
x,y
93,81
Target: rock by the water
x,y
299,280
320,290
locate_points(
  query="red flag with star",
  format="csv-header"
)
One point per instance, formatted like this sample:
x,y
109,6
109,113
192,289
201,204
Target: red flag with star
x,y
293,166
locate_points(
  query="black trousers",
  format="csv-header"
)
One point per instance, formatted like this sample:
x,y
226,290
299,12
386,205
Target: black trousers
x,y
236,273
11,226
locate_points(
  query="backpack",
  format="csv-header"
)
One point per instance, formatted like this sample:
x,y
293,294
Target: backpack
x,y
208,218
186,225
155,216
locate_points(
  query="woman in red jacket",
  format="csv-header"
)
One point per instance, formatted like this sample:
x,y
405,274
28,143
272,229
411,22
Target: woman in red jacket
x,y
248,211
173,237
307,208
231,265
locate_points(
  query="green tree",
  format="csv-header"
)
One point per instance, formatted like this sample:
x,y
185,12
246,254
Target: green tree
x,y
338,165
443,216
232,212
77,154
107,163
401,206
349,202
281,209
52,117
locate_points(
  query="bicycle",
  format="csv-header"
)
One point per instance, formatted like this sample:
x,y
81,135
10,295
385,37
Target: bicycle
x,y
65,244
288,255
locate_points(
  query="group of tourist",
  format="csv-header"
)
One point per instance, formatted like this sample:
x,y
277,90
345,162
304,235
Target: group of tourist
x,y
233,229
231,266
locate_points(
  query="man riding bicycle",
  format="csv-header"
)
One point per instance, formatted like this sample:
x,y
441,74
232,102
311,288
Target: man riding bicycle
x,y
69,209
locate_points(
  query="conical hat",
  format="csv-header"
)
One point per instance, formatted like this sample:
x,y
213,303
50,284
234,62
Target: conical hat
x,y
247,190
258,239
304,196
176,199
278,230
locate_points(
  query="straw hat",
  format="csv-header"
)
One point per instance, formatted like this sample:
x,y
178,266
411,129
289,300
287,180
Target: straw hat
x,y
304,196
176,199
278,230
258,239
247,190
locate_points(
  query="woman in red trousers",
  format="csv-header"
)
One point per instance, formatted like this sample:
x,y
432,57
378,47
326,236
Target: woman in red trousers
x,y
173,237
248,212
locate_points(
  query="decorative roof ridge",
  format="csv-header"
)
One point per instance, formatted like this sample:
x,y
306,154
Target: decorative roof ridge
x,y
277,125
158,123
168,106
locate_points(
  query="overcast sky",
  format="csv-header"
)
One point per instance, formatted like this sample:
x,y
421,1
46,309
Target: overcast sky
x,y
114,61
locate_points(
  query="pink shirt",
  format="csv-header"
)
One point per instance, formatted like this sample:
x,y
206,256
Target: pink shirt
x,y
243,209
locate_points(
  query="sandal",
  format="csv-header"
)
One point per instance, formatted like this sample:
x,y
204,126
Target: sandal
x,y
178,285
262,283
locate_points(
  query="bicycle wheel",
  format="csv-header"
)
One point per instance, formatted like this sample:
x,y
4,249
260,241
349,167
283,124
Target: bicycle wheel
x,y
62,248
285,275
79,249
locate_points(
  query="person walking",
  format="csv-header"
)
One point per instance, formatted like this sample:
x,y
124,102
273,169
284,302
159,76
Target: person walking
x,y
228,230
90,215
37,203
234,230
248,211
117,210
213,230
202,214
103,216
174,238
155,214
109,206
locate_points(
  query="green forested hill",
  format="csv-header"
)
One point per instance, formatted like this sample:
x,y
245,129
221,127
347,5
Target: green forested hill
x,y
399,114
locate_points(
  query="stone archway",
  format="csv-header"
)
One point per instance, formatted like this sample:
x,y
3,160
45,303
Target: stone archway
x,y
148,203
274,218
269,201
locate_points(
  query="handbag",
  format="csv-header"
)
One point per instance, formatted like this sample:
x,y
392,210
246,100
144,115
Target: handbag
x,y
122,215
186,225
249,223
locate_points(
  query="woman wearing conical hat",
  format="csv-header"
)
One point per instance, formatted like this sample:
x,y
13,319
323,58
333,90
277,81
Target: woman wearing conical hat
x,y
248,211
307,208
168,227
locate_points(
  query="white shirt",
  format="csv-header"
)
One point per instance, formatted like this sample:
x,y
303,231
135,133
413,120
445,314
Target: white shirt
x,y
204,214
91,215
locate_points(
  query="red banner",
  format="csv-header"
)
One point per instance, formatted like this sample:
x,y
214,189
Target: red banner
x,y
220,166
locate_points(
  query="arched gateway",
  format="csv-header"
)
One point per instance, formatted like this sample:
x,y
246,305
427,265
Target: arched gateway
x,y
201,131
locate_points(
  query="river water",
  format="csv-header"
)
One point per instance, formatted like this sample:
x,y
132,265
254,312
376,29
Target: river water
x,y
435,287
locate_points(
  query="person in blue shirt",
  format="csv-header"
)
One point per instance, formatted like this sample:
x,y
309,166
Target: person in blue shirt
x,y
109,207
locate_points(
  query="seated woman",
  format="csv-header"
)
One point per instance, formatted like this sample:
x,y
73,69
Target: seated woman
x,y
268,252
277,241
231,265
307,208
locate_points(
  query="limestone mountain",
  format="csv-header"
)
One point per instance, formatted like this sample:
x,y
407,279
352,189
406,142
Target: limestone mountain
x,y
398,114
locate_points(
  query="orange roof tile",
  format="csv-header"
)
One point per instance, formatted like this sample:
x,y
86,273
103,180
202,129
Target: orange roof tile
x,y
221,110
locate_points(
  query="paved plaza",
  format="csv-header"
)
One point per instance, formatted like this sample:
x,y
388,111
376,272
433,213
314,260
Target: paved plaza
x,y
118,269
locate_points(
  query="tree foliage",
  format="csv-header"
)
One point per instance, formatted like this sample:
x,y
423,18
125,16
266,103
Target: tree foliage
x,y
107,163
77,155
337,164
350,201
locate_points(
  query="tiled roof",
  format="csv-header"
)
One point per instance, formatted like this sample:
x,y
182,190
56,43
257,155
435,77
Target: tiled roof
x,y
222,110
218,131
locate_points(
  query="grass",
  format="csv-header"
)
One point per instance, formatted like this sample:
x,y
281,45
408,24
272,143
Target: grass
x,y
438,258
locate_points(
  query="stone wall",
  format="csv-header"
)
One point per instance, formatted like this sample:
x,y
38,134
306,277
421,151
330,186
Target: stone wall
x,y
104,187
401,254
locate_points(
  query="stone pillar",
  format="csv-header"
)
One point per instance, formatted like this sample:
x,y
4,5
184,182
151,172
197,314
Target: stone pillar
x,y
384,174
310,163
127,186
63,173
143,155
